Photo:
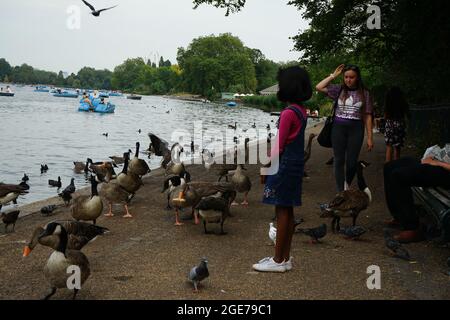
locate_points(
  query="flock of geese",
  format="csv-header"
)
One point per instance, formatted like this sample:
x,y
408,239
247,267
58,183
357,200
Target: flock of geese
x,y
209,200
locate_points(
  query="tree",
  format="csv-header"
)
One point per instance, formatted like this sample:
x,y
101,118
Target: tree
x,y
5,68
129,75
218,62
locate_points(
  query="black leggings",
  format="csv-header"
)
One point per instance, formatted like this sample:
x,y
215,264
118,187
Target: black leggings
x,y
402,174
347,140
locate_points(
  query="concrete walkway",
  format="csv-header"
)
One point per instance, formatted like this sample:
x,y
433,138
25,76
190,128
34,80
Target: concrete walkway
x,y
149,258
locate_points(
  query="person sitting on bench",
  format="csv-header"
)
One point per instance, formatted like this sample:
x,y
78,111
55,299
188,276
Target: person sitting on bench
x,y
402,174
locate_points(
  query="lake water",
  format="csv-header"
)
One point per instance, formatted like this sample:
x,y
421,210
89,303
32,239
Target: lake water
x,y
37,128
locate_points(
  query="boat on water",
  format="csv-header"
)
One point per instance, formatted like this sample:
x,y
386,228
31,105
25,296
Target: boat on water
x,y
97,106
115,94
134,97
231,104
7,94
41,89
66,94
103,95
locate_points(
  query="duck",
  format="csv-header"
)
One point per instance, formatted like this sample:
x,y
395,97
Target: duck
x,y
88,207
138,166
104,171
61,260
242,183
112,192
9,218
10,193
25,178
215,209
80,167
119,159
254,125
171,182
54,183
230,126
79,235
349,203
44,168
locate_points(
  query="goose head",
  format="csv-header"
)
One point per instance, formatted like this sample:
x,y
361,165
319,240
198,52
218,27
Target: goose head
x,y
58,230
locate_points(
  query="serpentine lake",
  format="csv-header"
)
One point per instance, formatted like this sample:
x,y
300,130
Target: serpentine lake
x,y
37,128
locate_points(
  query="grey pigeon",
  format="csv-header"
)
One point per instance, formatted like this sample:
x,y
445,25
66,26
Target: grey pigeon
x,y
395,247
353,232
315,233
66,194
47,210
199,273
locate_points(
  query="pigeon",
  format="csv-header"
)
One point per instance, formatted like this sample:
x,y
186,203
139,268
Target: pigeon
x,y
47,210
353,232
315,233
94,12
395,247
272,233
10,218
199,273
66,194
54,183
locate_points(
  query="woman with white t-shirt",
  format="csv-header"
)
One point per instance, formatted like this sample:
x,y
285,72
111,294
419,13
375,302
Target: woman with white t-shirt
x,y
353,114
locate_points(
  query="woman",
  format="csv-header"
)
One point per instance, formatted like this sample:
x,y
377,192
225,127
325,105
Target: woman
x,y
353,113
396,110
283,189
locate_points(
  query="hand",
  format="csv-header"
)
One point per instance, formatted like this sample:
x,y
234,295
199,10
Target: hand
x,y
369,144
429,161
338,71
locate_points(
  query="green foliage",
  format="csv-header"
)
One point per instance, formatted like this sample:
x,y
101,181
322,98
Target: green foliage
x,y
216,64
5,68
230,5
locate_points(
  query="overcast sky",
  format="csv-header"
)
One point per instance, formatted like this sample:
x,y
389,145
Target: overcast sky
x,y
35,31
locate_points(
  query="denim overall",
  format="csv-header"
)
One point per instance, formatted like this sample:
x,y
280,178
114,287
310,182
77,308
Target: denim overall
x,y
285,187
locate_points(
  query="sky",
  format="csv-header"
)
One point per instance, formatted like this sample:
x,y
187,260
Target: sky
x,y
36,32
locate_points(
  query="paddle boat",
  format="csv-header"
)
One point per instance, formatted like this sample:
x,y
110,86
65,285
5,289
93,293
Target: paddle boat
x,y
66,94
97,106
6,94
103,95
115,94
41,89
231,104
134,97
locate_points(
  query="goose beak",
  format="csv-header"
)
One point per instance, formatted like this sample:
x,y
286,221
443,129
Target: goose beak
x,y
26,251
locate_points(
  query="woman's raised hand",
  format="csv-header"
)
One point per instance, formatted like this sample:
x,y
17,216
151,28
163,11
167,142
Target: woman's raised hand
x,y
338,71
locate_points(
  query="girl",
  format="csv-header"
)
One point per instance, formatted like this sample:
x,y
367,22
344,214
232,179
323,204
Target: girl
x,y
283,189
353,113
395,110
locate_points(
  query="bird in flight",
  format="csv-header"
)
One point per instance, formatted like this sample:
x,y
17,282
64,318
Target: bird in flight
x,y
94,12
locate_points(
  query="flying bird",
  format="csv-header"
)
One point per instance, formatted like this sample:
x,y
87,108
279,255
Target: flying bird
x,y
199,273
94,12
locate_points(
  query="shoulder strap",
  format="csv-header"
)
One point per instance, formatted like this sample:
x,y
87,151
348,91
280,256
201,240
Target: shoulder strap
x,y
297,112
335,104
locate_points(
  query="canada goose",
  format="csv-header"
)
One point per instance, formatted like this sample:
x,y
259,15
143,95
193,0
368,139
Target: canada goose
x,y
10,192
9,218
160,148
79,235
61,259
138,166
349,203
88,207
130,181
54,183
221,170
215,209
230,126
119,160
79,167
66,194
254,125
191,194
25,178
242,183
104,171
114,193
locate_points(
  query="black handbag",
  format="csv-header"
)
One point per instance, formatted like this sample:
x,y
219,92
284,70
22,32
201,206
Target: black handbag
x,y
324,138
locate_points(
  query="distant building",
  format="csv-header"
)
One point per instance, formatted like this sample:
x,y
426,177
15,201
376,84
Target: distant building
x,y
227,96
269,91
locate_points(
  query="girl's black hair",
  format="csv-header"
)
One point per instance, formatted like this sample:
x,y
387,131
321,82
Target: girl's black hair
x,y
395,105
294,85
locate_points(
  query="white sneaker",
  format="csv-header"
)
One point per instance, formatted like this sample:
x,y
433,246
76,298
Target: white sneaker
x,y
269,265
288,264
